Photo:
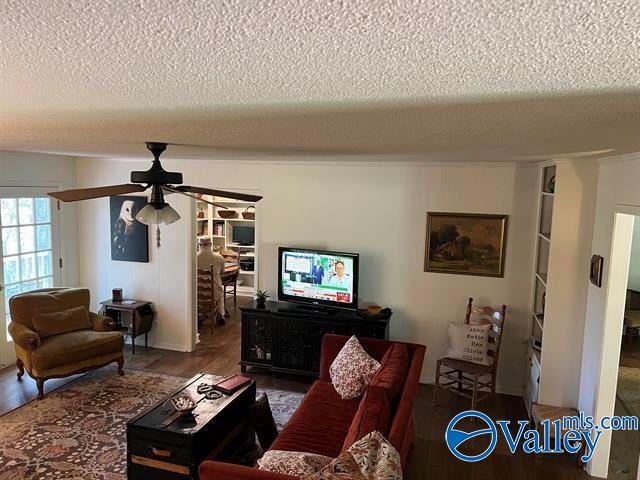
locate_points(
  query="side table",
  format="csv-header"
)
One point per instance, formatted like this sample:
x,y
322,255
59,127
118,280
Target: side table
x,y
141,318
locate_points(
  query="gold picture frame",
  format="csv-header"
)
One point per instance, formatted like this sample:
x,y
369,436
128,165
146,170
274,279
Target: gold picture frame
x,y
466,243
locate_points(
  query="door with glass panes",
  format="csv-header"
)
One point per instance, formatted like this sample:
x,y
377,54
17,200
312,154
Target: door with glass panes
x,y
29,250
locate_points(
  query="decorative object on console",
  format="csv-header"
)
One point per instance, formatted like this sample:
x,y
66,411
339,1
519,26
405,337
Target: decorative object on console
x,y
156,211
374,309
595,272
231,384
116,295
383,313
466,243
183,403
129,237
473,380
352,370
261,298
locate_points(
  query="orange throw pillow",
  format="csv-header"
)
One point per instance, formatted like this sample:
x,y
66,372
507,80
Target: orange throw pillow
x,y
393,371
374,414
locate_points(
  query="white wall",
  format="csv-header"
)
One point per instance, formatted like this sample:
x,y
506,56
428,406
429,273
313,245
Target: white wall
x,y
378,210
617,185
32,169
634,266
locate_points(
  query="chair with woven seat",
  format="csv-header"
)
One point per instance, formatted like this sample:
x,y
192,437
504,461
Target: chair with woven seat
x,y
206,296
467,379
55,335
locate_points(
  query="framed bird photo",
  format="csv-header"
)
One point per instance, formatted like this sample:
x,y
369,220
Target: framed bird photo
x,y
129,237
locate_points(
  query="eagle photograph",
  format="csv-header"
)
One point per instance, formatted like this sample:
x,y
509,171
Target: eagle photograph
x,y
129,237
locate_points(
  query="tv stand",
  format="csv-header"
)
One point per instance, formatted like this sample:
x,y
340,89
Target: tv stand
x,y
286,337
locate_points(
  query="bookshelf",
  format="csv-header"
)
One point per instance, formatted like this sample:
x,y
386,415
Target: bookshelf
x,y
210,224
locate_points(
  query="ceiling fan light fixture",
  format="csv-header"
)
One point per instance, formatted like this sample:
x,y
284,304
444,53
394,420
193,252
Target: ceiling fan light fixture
x,y
152,215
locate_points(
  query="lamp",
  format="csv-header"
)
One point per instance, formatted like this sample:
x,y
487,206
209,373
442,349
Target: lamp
x,y
151,215
157,212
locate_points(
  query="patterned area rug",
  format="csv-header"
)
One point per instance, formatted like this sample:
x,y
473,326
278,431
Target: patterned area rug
x,y
79,431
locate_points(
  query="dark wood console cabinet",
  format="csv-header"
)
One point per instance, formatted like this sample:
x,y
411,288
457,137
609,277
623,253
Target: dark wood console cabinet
x,y
286,338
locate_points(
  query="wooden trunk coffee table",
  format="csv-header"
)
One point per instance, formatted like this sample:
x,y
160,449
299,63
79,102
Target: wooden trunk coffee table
x,y
217,429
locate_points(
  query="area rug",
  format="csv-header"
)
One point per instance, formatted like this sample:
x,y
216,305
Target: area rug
x,y
78,432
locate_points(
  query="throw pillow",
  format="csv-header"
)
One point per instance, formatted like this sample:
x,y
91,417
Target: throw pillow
x,y
370,458
63,321
262,418
393,371
469,342
352,369
292,463
374,414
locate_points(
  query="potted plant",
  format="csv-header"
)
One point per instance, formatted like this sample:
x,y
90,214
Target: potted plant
x,y
261,298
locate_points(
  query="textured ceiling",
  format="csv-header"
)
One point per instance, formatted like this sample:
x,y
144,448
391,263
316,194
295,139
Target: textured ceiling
x,y
92,77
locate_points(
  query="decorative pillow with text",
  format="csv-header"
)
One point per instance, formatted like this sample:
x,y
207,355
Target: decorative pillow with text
x,y
469,342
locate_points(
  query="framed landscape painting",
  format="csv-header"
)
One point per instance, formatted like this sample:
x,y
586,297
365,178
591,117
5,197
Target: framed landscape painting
x,y
466,243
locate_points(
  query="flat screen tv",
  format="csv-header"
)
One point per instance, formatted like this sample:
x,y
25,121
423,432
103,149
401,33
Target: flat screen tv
x,y
318,277
243,235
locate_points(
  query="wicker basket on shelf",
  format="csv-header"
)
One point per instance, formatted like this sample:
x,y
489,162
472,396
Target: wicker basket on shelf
x,y
247,215
227,213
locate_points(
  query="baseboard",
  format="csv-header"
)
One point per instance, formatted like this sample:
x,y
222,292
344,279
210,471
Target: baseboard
x,y
176,347
502,389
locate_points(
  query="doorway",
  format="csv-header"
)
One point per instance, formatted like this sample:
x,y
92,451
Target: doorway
x,y
29,250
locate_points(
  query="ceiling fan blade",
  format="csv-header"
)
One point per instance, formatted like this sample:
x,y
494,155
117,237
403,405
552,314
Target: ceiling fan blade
x,y
174,190
220,193
97,192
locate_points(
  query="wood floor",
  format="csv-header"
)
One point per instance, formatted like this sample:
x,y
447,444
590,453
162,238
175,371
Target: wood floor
x,y
430,459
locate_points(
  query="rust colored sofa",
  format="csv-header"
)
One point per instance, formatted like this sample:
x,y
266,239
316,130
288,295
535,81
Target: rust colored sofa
x,y
55,335
322,422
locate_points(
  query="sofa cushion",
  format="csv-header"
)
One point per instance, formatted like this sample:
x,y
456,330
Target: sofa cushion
x,y
62,321
374,414
73,347
352,369
393,371
292,463
320,424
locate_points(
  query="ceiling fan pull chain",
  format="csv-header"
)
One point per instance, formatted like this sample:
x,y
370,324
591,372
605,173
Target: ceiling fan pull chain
x,y
158,237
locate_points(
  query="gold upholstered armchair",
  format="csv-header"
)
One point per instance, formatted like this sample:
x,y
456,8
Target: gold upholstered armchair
x,y
55,335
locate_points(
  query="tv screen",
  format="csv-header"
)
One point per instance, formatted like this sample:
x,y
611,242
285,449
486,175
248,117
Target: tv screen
x,y
243,235
319,277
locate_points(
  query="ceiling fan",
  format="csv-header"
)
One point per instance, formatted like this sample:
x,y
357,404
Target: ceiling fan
x,y
156,211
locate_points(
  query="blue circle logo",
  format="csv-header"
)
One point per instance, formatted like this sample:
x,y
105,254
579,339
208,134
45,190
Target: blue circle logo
x,y
455,438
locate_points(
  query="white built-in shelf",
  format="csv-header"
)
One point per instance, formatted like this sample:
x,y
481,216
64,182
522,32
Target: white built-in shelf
x,y
539,319
547,194
236,245
545,236
212,218
542,277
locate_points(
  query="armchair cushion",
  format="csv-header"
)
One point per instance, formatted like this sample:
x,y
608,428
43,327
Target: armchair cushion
x,y
63,321
75,347
22,336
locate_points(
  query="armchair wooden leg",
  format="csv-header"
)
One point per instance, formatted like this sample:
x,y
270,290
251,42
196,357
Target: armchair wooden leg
x,y
436,384
40,385
459,381
120,365
20,366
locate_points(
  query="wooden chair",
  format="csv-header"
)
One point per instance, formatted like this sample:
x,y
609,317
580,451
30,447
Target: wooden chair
x,y
472,380
230,280
205,294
